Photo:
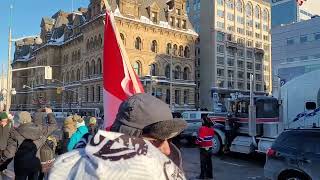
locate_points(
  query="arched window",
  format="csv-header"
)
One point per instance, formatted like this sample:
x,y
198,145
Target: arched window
x,y
186,96
257,12
181,51
186,73
122,38
153,70
88,44
138,43
67,77
72,76
175,49
79,54
78,75
154,46
100,40
186,52
167,71
91,43
265,15
93,67
249,9
137,68
93,96
99,67
239,6
95,42
177,72
230,4
169,46
87,69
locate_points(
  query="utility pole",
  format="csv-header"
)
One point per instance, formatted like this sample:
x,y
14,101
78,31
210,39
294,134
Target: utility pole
x,y
171,79
9,74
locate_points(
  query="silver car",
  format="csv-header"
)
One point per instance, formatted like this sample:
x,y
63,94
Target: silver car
x,y
295,155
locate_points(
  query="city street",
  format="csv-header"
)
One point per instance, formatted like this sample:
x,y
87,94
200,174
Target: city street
x,y
228,167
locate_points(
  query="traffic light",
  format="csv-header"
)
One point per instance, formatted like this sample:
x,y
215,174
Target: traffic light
x,y
48,72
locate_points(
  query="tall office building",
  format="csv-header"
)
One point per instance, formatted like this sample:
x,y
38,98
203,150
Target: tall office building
x,y
235,43
289,11
295,49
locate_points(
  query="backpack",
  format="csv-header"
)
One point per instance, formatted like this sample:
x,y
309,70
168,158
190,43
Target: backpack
x,y
25,159
47,154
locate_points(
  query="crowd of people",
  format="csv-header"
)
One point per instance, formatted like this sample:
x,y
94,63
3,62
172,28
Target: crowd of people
x,y
137,146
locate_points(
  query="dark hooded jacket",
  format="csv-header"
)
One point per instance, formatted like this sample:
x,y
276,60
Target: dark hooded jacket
x,y
29,134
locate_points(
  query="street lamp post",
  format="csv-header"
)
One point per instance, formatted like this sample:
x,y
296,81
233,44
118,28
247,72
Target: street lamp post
x,y
8,103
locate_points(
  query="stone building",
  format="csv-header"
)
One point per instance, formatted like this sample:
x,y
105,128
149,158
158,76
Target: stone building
x,y
152,31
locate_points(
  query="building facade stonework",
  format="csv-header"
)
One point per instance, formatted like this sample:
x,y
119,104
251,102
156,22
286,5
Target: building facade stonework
x,y
153,33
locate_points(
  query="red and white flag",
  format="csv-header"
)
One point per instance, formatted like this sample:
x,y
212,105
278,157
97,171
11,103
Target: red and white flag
x,y
119,79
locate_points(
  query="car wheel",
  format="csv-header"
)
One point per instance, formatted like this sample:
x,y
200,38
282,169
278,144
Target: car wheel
x,y
217,145
294,176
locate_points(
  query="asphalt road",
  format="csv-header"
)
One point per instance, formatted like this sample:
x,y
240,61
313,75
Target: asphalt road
x,y
228,167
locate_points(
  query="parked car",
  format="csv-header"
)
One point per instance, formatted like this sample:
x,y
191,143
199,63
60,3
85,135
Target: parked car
x,y
193,119
295,155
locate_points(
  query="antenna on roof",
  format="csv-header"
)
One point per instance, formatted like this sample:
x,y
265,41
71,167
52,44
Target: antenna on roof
x,y
71,5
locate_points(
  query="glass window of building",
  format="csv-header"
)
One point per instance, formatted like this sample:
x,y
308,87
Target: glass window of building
x,y
240,85
250,43
220,48
249,54
230,28
258,67
249,66
230,73
186,97
249,9
220,72
265,15
257,25
258,87
137,68
240,19
303,39
154,17
230,62
231,51
220,13
250,23
177,96
265,27
290,41
258,77
257,12
239,6
240,53
317,36
220,83
240,74
220,2
220,25
220,36
230,84
220,60
230,16
230,4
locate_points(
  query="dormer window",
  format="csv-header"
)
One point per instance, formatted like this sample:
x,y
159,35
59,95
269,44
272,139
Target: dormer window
x,y
154,17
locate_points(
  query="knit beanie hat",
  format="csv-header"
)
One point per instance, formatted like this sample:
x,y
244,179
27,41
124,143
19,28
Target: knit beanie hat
x,y
3,115
24,117
92,121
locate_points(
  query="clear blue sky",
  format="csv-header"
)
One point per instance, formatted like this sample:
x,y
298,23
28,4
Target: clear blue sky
x,y
27,16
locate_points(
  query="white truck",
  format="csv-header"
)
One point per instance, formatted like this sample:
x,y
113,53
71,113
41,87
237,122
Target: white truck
x,y
258,120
